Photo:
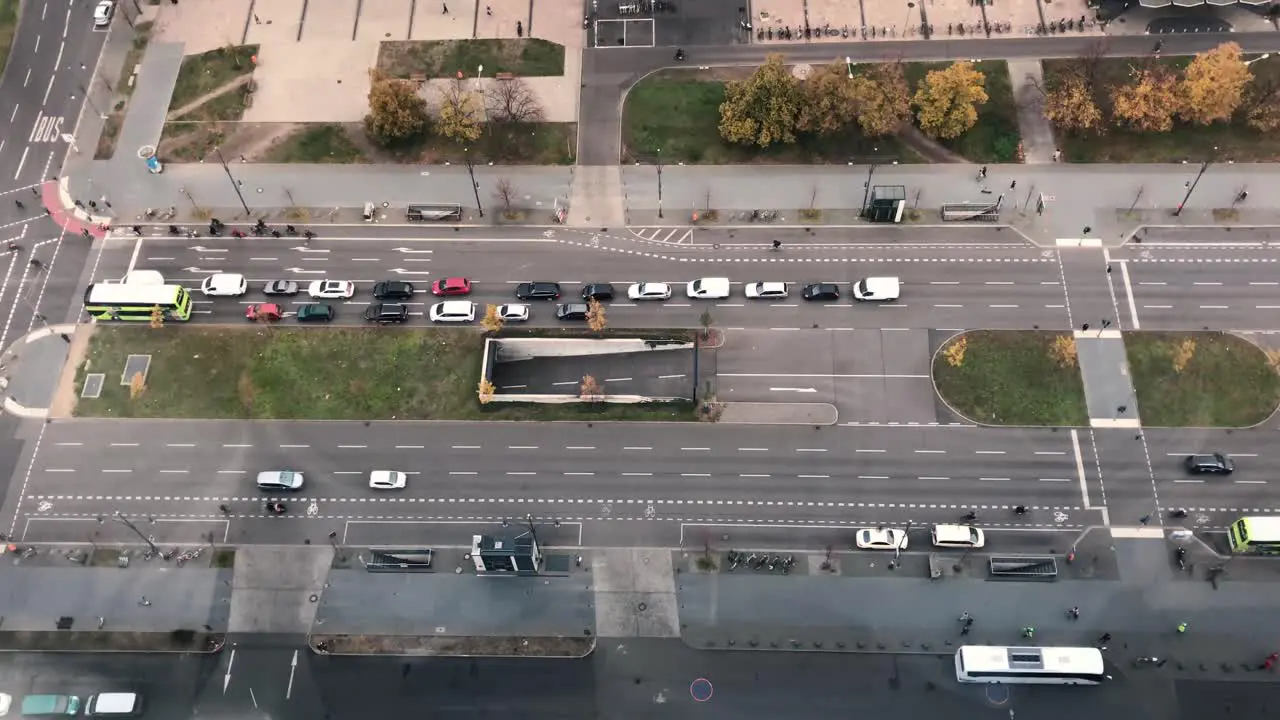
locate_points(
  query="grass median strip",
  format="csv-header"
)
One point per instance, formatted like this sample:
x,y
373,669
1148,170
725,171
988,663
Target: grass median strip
x,y
1012,377
264,372
1201,379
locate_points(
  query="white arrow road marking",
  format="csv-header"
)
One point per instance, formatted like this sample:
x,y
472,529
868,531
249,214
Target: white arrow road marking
x,y
301,248
198,270
226,679
293,667
799,390
402,271
307,272
411,250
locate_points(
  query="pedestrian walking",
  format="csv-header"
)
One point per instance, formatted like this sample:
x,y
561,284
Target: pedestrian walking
x,y
65,338
1120,410
85,232
1104,639
101,621
965,617
519,29
488,11
224,509
983,172
444,9
964,629
1270,661
1144,520
144,602
1057,155
1182,628
1074,612
1028,632
1013,184
19,204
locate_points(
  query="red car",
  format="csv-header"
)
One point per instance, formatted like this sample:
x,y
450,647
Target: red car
x,y
451,286
263,312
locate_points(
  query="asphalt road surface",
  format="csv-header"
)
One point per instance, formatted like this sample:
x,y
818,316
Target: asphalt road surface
x,y
276,677
614,477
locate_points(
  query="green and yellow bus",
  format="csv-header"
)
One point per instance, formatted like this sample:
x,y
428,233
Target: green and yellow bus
x,y
1259,535
137,301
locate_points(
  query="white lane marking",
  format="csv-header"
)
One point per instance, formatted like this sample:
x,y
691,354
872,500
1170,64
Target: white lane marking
x,y
637,474
232,472
995,479
625,379
933,477
228,445
744,475
174,472
117,471
580,473
294,447
59,470
69,444
124,444
988,452
410,447
637,447
462,472
1051,452
695,474
179,445
522,473
869,451
1206,283
579,447
811,449
669,377
697,449
753,449
931,452
1065,480
352,447
522,447
948,306
813,476
1128,293
464,447
873,477
1084,485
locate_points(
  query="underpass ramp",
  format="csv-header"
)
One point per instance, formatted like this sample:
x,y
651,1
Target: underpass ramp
x,y
273,586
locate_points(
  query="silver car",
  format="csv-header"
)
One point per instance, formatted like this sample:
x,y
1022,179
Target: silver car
x,y
280,480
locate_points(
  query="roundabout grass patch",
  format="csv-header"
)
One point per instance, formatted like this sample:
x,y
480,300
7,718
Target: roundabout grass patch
x,y
1012,377
1201,379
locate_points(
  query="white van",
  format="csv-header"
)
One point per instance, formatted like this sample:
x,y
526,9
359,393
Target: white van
x,y
708,289
957,536
144,277
115,704
224,285
877,289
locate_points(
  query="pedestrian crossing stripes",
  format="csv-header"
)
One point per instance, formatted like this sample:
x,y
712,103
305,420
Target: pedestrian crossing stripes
x,y
47,128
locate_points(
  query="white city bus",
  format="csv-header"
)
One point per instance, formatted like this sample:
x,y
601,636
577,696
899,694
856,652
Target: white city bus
x,y
1038,665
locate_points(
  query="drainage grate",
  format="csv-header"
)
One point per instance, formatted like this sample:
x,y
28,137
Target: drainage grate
x,y
93,383
134,365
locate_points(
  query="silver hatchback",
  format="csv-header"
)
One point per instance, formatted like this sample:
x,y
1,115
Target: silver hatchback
x,y
280,480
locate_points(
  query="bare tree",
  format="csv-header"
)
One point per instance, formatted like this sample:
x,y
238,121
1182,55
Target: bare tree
x,y
504,192
512,101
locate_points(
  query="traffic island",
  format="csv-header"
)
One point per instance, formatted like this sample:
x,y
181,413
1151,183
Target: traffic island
x,y
185,641
1011,377
455,646
1202,379
261,371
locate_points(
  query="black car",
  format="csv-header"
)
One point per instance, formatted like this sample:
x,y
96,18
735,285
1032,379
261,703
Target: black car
x,y
383,313
538,291
1209,464
393,290
597,291
571,311
821,291
315,312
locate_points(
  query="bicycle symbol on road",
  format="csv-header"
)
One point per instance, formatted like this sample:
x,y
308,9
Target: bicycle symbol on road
x,y
650,511
606,509
1059,517
548,233
595,240
44,506
313,508
1202,519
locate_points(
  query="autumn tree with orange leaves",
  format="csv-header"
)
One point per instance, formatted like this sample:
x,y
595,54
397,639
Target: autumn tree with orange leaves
x,y
1213,85
1149,101
1069,104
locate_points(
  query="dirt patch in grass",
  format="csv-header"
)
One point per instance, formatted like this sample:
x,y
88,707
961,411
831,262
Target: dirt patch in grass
x,y
1012,377
1234,140
529,57
204,73
311,374
678,111
314,143
77,640
466,646
1201,379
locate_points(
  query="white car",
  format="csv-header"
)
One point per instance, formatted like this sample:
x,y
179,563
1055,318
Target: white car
x,y
649,291
513,312
387,480
102,13
957,536
708,289
331,289
224,285
881,539
767,290
453,311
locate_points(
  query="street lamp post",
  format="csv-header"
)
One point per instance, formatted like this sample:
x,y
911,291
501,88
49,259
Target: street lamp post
x,y
120,518
866,187
471,172
190,199
92,106
1263,56
1191,187
659,183
234,185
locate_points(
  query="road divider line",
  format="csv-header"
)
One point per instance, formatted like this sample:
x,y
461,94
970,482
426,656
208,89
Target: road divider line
x,y
753,449
1065,480
124,444
294,447
996,479
817,450
868,451
237,446
464,447
931,452
1128,293
637,447
410,447
1084,485
462,472
69,444
930,477
579,447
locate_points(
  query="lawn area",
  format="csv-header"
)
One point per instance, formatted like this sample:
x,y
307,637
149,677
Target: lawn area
x,y
678,111
1234,141
8,26
996,136
209,71
313,374
1012,377
529,57
1223,381
505,143
316,143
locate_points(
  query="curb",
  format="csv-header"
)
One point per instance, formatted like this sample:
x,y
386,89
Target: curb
x,y
217,647
11,406
311,645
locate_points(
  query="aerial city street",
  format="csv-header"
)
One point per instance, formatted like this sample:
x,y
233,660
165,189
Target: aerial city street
x,y
647,359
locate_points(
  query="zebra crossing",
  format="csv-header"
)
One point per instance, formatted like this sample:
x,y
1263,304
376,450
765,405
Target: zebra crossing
x,y
47,128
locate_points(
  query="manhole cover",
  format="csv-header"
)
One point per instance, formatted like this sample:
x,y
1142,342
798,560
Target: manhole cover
x,y
93,385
